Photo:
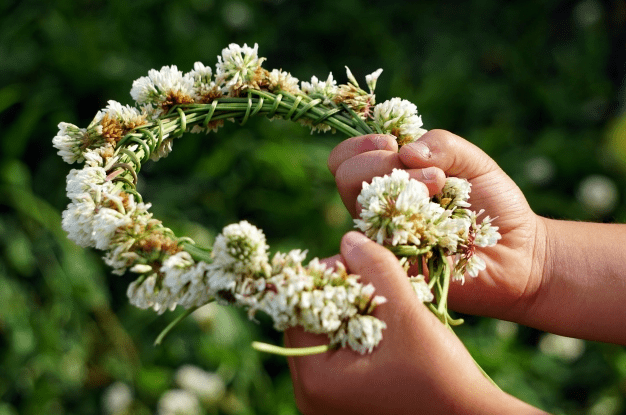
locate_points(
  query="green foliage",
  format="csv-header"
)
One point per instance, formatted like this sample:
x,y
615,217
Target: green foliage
x,y
536,84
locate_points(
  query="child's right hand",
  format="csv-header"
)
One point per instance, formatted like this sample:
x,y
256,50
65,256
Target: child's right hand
x,y
507,288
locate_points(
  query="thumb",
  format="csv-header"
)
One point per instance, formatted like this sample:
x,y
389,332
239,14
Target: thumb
x,y
376,265
449,152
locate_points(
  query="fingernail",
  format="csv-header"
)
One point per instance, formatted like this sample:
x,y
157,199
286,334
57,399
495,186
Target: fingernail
x,y
419,149
381,142
429,173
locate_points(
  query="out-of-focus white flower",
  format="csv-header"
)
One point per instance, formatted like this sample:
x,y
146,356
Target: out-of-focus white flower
x,y
161,88
174,267
241,248
327,90
598,194
120,257
208,387
238,67
205,315
77,220
399,117
105,222
372,78
566,348
141,293
506,329
420,286
117,398
178,402
539,170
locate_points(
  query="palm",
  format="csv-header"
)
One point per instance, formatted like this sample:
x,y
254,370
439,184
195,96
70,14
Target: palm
x,y
509,276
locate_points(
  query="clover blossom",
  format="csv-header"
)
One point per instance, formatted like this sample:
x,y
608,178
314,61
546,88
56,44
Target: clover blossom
x,y
326,90
372,78
162,89
397,210
241,248
239,68
399,117
418,282
279,80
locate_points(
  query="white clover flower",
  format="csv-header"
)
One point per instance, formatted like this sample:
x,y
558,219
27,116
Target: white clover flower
x,y
486,233
87,179
163,88
420,286
372,78
175,270
77,220
327,90
141,292
283,81
455,192
362,334
205,89
128,117
70,141
471,265
201,75
388,204
120,257
238,67
208,387
105,223
165,148
178,402
196,292
399,117
241,248
351,77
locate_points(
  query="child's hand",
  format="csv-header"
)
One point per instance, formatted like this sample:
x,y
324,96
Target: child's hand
x,y
507,287
419,367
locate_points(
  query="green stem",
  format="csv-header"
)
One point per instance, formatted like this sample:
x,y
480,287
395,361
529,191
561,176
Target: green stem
x,y
290,351
173,324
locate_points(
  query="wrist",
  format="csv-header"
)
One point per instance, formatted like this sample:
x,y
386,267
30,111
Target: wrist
x,y
541,268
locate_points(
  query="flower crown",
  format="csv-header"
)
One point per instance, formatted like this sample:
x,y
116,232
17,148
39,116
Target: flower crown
x,y
106,212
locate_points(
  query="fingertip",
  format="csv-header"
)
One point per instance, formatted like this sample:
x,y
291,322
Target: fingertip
x,y
416,155
433,177
357,145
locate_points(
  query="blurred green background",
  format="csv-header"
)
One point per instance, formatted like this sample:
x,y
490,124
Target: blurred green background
x,y
536,84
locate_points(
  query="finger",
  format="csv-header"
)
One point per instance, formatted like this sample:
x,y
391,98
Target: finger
x,y
451,153
376,265
357,145
364,167
331,262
